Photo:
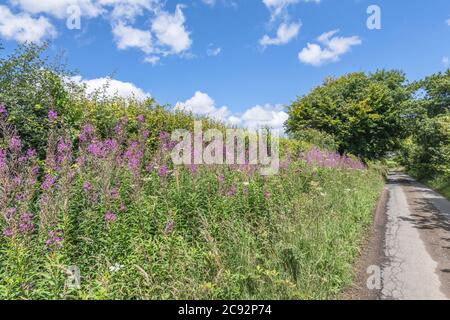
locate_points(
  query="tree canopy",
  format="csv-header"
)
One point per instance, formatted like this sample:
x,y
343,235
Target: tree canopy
x,y
364,112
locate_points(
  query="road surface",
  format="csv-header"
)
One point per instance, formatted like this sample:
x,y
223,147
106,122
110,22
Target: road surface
x,y
409,244
417,242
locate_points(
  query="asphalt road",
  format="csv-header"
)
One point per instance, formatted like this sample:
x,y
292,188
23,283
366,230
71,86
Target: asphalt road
x,y
416,262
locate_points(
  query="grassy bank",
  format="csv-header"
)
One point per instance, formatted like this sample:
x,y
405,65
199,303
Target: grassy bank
x,y
139,228
441,185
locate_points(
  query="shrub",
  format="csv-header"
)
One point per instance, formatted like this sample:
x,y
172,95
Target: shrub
x,y
139,228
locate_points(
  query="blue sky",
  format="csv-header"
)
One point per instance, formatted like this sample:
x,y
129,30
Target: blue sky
x,y
238,60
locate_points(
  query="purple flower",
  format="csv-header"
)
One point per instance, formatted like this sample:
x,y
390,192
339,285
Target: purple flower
x,y
163,171
10,213
8,232
52,116
55,239
164,136
169,228
15,143
49,182
20,197
149,168
31,153
110,217
3,111
27,286
115,194
140,118
86,133
87,186
221,178
232,192
26,225
193,168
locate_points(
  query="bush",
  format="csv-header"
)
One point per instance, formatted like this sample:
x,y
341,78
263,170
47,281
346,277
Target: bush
x,y
427,153
139,228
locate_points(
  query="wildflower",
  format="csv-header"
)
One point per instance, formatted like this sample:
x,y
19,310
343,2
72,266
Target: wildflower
x,y
31,153
145,134
86,133
49,182
232,192
10,213
8,232
220,178
193,168
110,217
87,186
26,225
15,143
20,197
149,168
164,136
116,267
27,286
52,116
163,171
267,195
3,111
169,228
140,118
55,239
115,194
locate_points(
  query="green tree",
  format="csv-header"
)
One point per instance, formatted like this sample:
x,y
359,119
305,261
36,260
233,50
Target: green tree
x,y
365,113
30,86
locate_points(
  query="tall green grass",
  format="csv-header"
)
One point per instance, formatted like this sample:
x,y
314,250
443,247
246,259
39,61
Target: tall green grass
x,y
292,236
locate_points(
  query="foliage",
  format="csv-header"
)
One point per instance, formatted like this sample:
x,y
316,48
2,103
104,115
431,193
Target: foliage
x,y
363,112
139,228
426,152
31,86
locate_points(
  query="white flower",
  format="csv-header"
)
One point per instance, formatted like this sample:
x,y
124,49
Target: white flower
x,y
115,268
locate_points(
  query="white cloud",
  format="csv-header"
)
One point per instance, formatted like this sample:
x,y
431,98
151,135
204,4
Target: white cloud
x,y
202,104
333,48
112,87
448,22
446,61
213,51
129,37
22,27
278,7
167,34
153,60
285,33
259,116
130,9
118,9
209,2
170,30
58,8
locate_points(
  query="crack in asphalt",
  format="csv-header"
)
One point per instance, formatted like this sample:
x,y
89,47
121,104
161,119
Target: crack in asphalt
x,y
410,271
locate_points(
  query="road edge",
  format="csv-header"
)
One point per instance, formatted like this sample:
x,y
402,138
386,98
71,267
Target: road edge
x,y
372,253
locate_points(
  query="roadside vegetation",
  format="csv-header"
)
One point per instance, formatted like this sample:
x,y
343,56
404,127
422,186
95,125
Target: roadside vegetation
x,y
383,117
86,181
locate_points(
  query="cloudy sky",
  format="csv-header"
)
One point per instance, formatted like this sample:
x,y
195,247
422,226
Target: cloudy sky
x,y
240,61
